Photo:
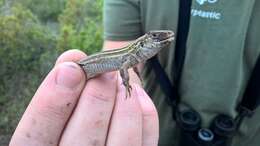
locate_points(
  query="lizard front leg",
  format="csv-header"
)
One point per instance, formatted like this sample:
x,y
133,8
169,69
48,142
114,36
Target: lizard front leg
x,y
131,60
125,78
138,74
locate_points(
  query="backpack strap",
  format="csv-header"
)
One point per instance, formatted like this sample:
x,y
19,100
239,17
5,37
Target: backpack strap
x,y
171,90
251,98
181,40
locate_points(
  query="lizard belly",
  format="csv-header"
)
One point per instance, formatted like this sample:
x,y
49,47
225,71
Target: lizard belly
x,y
94,69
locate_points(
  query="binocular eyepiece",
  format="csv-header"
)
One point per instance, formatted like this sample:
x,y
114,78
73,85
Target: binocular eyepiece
x,y
191,133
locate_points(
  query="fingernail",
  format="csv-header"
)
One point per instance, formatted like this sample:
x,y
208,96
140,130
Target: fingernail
x,y
69,75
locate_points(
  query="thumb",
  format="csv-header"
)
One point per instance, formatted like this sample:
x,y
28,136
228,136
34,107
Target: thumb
x,y
51,106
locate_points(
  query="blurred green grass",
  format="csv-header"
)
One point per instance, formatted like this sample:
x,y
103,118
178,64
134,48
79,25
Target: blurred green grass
x,y
32,34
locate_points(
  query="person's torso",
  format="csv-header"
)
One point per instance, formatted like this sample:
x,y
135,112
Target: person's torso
x,y
222,48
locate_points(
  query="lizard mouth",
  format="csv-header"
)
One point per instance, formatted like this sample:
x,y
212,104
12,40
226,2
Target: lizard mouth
x,y
169,39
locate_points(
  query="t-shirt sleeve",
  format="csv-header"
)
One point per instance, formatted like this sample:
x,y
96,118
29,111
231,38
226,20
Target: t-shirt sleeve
x,y
122,20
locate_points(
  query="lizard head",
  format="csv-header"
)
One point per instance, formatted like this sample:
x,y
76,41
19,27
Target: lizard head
x,y
158,38
153,41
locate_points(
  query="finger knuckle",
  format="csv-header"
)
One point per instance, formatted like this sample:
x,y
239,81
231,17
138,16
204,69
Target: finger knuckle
x,y
98,96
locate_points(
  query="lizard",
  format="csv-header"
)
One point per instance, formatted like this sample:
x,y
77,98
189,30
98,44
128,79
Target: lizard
x,y
140,50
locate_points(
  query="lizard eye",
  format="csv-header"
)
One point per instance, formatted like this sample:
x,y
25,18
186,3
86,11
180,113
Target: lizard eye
x,y
141,44
154,35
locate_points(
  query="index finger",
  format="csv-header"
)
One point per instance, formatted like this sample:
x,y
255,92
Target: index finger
x,y
90,120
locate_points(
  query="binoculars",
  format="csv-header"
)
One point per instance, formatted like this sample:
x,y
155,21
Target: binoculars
x,y
219,133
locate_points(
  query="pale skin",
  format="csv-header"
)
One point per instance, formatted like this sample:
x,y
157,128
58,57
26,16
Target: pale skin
x,y
67,110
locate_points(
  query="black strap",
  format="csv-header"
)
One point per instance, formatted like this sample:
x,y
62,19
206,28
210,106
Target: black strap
x,y
171,90
181,40
167,87
251,98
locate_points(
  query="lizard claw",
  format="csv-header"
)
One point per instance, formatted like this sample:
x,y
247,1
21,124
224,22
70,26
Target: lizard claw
x,y
128,90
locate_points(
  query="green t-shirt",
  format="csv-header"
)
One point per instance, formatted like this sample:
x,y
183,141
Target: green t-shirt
x,y
222,48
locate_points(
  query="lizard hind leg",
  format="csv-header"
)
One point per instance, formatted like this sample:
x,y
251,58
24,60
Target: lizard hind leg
x,y
125,78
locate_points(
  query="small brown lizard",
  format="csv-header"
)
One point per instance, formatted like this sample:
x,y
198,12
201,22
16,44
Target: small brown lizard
x,y
124,58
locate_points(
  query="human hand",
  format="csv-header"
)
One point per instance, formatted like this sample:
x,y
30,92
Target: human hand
x,y
67,111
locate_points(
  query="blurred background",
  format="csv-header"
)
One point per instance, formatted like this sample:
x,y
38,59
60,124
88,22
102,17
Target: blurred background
x,y
32,34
